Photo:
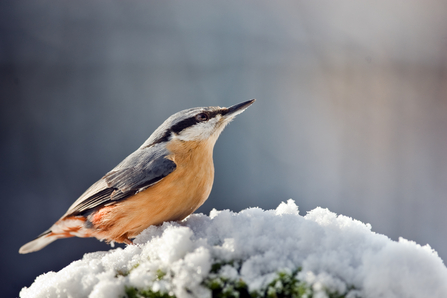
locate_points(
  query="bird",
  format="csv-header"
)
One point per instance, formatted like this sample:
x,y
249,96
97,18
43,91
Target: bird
x,y
166,179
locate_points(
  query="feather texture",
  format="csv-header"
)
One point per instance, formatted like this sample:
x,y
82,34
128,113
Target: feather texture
x,y
140,170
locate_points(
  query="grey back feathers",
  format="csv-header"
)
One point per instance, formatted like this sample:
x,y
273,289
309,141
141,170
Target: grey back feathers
x,y
141,169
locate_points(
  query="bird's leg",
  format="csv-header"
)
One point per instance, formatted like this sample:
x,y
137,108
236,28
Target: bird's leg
x,y
125,239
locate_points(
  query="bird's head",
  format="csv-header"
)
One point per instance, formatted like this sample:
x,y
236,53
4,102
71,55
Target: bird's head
x,y
196,124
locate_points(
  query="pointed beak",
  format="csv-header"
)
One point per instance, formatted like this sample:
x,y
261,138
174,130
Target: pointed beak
x,y
237,109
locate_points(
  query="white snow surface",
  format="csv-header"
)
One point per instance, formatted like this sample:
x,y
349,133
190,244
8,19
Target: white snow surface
x,y
334,252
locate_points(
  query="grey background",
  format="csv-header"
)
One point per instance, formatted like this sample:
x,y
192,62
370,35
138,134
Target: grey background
x,y
351,112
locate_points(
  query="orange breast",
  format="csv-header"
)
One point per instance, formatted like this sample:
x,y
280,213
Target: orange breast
x,y
173,198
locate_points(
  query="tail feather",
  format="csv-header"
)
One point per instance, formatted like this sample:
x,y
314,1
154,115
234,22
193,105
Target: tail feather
x,y
40,242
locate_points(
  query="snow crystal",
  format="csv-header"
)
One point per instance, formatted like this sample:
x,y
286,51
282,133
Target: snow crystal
x,y
332,254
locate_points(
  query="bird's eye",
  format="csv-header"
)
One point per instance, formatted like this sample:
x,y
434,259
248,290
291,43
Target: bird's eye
x,y
202,117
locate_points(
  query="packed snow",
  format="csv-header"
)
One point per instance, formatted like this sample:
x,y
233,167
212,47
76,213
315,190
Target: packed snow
x,y
330,253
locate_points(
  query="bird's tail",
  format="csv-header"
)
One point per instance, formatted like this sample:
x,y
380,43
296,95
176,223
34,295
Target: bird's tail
x,y
40,242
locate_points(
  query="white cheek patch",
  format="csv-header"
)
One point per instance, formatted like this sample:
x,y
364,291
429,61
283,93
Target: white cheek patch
x,y
202,130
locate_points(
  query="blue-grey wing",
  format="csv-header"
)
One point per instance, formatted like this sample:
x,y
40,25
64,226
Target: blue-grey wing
x,y
140,170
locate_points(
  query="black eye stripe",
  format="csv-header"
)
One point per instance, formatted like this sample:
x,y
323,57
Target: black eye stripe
x,y
177,128
185,123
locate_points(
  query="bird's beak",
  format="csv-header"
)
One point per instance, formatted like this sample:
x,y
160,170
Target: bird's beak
x,y
232,111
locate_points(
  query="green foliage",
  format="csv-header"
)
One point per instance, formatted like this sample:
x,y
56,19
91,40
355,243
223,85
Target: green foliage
x,y
224,288
132,292
126,273
284,285
287,285
160,274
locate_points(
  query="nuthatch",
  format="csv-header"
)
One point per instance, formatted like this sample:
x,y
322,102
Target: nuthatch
x,y
166,179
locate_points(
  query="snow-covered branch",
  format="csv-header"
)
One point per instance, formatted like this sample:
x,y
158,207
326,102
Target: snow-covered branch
x,y
254,253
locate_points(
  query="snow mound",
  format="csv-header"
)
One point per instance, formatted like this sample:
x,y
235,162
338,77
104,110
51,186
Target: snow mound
x,y
257,251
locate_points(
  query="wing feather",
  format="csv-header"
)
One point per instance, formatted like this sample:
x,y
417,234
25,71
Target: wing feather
x,y
140,170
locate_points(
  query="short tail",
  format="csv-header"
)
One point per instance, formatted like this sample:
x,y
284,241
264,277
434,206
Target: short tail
x,y
40,242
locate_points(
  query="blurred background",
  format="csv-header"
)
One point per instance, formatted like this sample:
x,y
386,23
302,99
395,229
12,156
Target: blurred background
x,y
351,110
